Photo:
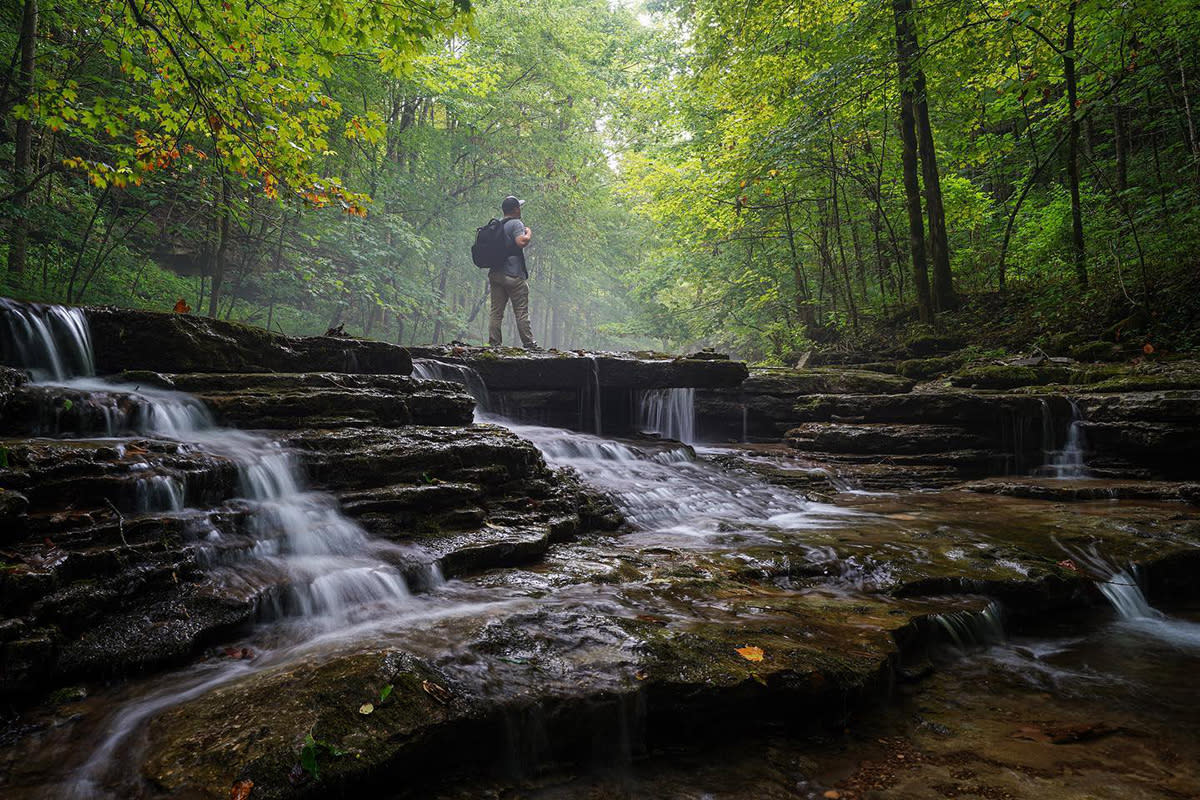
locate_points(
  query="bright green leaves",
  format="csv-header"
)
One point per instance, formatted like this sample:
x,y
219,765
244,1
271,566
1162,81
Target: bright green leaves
x,y
241,84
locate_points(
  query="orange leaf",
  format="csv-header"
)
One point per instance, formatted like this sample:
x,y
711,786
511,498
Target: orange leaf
x,y
1148,348
240,790
750,653
181,307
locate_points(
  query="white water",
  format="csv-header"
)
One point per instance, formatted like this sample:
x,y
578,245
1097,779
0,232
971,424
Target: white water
x,y
968,629
668,495
594,392
302,556
431,369
670,413
1067,463
1122,589
52,342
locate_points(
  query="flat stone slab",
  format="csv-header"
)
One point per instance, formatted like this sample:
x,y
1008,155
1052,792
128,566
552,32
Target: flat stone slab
x,y
126,339
1087,489
514,370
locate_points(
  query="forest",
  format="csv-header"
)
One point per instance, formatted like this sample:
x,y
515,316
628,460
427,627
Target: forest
x,y
760,178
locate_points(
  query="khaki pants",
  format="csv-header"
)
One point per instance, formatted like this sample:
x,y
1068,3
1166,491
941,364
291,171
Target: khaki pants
x,y
506,288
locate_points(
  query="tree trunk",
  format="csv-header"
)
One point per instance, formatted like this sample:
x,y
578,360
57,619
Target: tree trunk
x,y
939,247
905,53
944,297
218,272
801,297
1079,256
19,235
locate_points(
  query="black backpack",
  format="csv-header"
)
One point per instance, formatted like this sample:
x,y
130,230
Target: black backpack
x,y
491,245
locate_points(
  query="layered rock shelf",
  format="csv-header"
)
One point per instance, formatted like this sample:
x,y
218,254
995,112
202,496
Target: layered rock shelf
x,y
239,564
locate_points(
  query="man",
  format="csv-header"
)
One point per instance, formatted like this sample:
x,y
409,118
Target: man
x,y
510,281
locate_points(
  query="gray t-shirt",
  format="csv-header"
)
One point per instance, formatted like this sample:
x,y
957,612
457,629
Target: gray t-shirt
x,y
514,264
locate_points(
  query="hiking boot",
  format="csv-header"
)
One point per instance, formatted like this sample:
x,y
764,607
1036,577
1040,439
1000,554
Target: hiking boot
x,y
534,347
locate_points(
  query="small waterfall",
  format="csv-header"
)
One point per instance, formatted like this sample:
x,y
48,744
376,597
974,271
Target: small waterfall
x,y
159,493
670,413
1121,590
431,369
304,556
52,342
1067,463
594,392
968,629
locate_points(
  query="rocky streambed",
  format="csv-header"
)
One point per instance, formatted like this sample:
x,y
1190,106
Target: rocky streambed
x,y
379,585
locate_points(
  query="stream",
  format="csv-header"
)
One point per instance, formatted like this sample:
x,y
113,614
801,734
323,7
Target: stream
x,y
324,587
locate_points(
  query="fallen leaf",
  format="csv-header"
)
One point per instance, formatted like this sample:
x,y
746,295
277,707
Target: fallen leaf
x,y
1148,349
832,794
366,708
1065,734
181,307
750,653
641,674
438,693
240,790
651,618
1067,563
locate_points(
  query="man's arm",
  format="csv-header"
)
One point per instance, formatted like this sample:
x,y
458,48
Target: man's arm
x,y
522,239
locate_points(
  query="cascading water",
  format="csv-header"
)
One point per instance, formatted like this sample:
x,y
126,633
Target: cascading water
x,y
670,413
1067,463
594,394
431,369
967,629
1122,589
666,493
52,342
301,556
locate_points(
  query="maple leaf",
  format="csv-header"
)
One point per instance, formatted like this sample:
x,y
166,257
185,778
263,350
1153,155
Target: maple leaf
x,y
241,790
750,653
181,307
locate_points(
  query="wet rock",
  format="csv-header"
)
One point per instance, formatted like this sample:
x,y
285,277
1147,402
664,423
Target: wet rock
x,y
881,438
1059,490
569,371
762,407
923,369
126,339
1005,376
787,383
281,401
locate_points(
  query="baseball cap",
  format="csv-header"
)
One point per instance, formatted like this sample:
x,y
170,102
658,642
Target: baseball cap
x,y
510,203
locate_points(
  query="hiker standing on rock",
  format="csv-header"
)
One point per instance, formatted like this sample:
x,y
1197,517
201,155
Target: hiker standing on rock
x,y
510,280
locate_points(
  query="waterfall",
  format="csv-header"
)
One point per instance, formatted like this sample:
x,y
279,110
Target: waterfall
x,y
1122,591
670,413
52,342
973,628
595,395
303,557
431,369
1068,462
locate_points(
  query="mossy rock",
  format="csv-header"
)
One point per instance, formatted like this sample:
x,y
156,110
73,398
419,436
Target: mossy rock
x,y
923,369
930,344
1006,376
1097,351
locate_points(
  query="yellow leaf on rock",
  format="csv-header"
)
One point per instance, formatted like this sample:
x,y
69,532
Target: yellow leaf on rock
x,y
366,708
750,653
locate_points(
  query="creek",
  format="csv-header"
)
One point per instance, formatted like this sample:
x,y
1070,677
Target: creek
x,y
708,544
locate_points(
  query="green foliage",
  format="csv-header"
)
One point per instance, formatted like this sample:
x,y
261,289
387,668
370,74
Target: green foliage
x,y
764,147
311,752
